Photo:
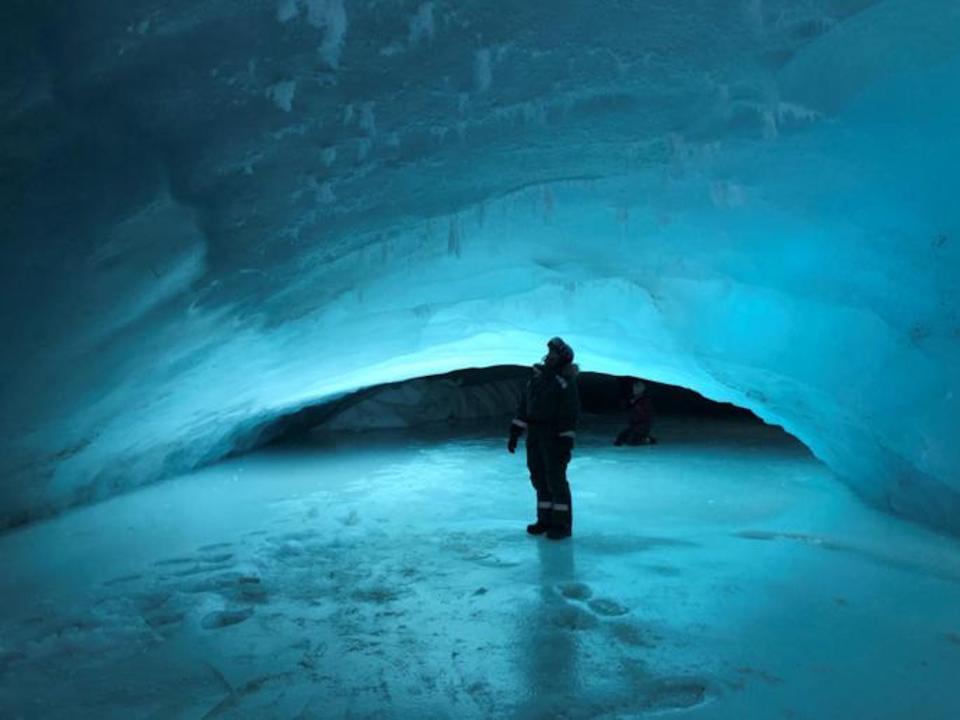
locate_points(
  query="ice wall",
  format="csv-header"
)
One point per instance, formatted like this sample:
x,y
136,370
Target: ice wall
x,y
216,213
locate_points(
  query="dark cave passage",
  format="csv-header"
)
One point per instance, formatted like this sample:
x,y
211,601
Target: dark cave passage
x,y
491,393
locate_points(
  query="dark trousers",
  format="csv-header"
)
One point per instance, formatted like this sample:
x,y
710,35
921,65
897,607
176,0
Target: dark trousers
x,y
547,460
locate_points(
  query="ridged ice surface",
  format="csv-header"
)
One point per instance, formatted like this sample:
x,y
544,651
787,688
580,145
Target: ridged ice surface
x,y
214,212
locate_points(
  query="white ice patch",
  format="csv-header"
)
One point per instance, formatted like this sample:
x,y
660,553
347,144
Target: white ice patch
x,y
326,15
726,194
394,48
363,149
483,70
331,17
323,192
421,25
771,130
791,112
287,10
149,259
282,94
368,121
753,9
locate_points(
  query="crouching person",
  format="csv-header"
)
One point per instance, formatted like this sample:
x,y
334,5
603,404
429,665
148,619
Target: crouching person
x,y
641,419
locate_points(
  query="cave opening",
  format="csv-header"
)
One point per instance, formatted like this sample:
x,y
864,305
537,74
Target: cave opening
x,y
487,396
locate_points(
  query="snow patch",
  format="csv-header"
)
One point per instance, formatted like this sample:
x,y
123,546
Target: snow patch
x,y
753,10
287,10
726,194
330,16
483,69
368,121
771,131
394,48
282,94
797,113
364,147
422,27
324,193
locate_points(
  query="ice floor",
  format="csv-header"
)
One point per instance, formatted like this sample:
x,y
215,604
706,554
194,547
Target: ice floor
x,y
721,574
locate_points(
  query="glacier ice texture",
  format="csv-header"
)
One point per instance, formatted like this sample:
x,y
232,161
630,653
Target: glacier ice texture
x,y
215,215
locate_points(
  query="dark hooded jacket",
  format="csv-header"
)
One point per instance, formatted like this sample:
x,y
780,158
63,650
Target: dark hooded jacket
x,y
551,400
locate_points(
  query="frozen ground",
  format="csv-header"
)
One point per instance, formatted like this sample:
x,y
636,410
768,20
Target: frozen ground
x,y
721,574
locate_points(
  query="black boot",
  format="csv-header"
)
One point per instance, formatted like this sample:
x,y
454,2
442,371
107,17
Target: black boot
x,y
542,524
561,521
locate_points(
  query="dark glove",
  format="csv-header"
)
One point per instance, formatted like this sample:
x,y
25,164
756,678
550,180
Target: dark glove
x,y
566,442
515,432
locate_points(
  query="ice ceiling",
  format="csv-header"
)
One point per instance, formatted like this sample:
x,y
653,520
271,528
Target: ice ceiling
x,y
216,211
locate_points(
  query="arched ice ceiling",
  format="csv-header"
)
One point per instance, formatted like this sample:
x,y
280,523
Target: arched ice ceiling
x,y
216,211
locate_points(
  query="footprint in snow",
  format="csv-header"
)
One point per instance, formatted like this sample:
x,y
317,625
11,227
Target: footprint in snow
x,y
607,607
225,618
214,546
575,591
675,694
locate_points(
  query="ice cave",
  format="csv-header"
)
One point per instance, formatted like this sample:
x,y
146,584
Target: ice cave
x,y
273,278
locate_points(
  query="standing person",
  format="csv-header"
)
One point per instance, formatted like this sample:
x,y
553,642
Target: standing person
x,y
548,410
641,419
